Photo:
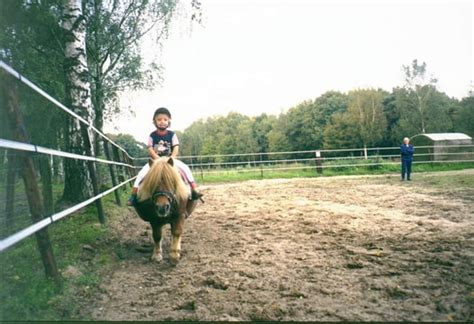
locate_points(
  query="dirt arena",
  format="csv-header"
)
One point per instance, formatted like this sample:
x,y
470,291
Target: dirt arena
x,y
323,249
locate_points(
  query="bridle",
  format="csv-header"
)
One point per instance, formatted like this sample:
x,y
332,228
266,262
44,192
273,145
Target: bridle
x,y
168,194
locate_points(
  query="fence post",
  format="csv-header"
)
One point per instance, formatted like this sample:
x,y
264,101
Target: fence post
x,y
319,167
261,166
10,98
131,171
365,152
89,145
120,169
200,164
112,173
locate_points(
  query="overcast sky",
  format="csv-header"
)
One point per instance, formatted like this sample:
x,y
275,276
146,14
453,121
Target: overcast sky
x,y
260,56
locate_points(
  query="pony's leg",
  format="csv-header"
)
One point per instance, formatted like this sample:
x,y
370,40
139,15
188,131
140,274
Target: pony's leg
x,y
176,234
157,251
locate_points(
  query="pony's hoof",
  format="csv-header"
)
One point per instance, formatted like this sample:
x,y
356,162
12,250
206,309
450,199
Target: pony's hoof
x,y
156,257
174,258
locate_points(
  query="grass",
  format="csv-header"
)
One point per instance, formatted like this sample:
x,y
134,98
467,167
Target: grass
x,y
26,293
243,174
447,182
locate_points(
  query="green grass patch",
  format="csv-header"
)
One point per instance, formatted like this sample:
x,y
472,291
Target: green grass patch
x,y
243,174
26,293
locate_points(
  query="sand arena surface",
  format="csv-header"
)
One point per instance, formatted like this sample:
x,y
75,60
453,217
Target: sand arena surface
x,y
345,248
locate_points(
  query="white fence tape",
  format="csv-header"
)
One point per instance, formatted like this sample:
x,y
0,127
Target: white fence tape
x,y
17,75
39,149
230,170
17,237
369,149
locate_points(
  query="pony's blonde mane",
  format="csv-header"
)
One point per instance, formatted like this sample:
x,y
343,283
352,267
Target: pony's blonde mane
x,y
162,176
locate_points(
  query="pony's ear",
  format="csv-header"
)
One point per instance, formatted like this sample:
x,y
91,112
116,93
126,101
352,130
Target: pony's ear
x,y
171,161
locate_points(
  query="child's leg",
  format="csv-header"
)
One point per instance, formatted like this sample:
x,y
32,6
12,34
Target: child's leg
x,y
189,178
187,172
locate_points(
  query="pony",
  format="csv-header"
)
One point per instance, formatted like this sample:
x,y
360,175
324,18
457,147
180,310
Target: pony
x,y
163,198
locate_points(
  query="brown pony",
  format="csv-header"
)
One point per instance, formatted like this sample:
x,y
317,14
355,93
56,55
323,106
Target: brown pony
x,y
163,199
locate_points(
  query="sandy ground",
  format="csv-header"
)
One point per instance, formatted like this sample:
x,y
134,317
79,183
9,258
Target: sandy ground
x,y
346,248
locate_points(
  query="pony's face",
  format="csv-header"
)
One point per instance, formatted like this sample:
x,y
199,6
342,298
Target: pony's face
x,y
164,186
163,203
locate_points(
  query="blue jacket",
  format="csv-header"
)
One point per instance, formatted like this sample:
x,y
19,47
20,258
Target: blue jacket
x,y
407,152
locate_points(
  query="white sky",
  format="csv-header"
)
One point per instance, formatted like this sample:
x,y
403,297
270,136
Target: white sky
x,y
258,56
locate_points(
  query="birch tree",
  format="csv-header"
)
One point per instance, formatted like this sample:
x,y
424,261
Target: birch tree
x,y
78,98
365,109
419,90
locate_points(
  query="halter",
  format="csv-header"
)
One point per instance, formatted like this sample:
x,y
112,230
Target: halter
x,y
168,194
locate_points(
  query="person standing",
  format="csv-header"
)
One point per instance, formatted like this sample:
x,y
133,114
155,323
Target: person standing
x,y
406,151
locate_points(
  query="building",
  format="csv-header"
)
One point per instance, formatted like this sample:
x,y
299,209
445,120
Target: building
x,y
443,147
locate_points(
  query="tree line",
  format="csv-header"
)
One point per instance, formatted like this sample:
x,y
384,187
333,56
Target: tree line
x,y
334,120
36,37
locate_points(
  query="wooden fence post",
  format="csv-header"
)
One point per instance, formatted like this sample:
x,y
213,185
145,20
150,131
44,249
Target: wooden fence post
x,y
131,171
319,167
10,97
202,173
89,145
112,172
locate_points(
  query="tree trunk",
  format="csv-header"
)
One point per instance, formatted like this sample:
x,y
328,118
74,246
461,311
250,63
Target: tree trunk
x,y
98,100
47,184
112,173
77,185
78,94
10,189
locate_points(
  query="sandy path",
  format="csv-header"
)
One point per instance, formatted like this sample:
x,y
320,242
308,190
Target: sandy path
x,y
352,248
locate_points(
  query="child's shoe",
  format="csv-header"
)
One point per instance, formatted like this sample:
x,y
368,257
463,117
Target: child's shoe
x,y
132,201
195,195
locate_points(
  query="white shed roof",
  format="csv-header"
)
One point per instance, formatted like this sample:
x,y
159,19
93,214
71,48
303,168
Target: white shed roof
x,y
446,136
